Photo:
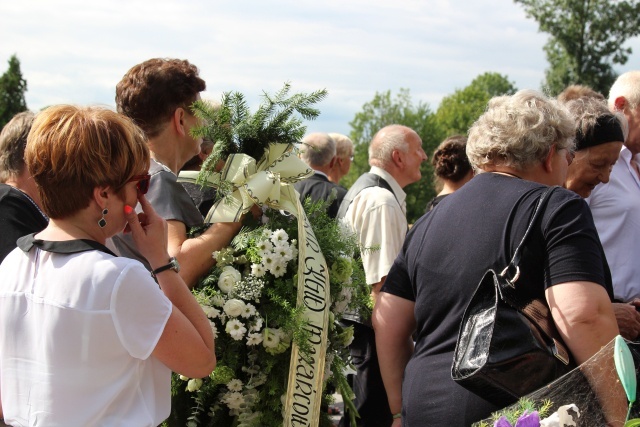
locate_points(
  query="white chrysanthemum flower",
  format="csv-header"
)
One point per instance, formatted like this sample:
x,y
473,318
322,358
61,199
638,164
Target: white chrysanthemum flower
x,y
249,310
235,385
217,300
234,400
283,253
194,384
214,329
254,338
234,307
258,270
228,279
236,329
264,247
270,337
278,268
257,325
279,236
268,261
211,312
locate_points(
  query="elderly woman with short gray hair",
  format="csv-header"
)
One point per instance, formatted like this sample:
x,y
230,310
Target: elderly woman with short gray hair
x,y
519,146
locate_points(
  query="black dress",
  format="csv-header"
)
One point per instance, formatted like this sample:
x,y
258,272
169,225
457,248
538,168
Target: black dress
x,y
443,259
19,216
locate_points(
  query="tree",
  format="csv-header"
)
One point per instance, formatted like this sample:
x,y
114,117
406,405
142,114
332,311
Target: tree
x,y
385,110
12,89
587,38
457,112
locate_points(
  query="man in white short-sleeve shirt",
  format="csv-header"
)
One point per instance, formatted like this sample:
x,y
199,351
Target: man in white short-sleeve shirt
x,y
375,209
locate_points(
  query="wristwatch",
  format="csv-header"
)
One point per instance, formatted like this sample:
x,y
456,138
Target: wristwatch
x,y
173,265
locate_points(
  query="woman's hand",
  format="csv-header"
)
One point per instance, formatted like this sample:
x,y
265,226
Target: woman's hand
x,y
149,232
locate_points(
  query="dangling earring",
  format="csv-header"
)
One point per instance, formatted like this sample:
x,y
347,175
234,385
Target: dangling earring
x,y
103,222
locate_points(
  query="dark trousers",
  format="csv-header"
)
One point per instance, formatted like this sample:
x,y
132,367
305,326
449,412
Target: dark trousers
x,y
371,397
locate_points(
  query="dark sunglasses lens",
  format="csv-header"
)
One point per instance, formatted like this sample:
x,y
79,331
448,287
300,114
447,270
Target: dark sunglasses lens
x,y
143,185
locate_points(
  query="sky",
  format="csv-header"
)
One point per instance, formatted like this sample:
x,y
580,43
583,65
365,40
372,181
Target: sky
x,y
76,51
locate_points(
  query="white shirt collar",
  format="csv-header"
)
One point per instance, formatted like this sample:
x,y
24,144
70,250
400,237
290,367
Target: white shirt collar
x,y
397,190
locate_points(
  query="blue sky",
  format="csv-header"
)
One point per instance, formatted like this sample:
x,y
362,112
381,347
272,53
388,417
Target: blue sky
x,y
75,51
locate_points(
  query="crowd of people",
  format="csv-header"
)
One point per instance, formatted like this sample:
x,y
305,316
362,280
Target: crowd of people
x,y
97,266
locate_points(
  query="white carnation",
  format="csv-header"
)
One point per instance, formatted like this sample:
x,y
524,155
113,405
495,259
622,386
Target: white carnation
x,y
270,337
234,307
228,279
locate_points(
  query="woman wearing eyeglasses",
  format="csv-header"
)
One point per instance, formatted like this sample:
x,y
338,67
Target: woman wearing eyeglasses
x,y
89,338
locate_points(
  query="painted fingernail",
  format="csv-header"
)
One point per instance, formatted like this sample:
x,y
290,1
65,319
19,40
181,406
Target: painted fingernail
x,y
128,209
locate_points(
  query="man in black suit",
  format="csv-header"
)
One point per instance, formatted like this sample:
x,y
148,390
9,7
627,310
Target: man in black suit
x,y
318,150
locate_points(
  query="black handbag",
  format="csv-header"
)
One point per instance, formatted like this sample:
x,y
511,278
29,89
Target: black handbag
x,y
507,348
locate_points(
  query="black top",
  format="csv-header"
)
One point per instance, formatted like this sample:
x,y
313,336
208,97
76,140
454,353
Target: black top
x,y
444,257
434,202
19,216
318,187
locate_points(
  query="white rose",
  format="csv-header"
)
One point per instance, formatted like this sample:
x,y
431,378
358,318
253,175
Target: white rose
x,y
228,279
234,307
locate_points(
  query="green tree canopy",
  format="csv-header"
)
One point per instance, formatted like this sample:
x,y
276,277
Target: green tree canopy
x,y
12,89
587,38
385,109
458,111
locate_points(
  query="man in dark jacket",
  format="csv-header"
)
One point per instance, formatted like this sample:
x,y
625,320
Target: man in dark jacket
x,y
318,150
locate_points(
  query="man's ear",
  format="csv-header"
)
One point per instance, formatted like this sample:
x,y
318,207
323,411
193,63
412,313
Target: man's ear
x,y
620,103
396,157
178,121
333,161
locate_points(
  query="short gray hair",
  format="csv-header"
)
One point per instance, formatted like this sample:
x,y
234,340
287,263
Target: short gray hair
x,y
13,140
628,86
385,141
519,130
317,149
344,145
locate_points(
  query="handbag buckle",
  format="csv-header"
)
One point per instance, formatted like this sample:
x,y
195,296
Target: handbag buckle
x,y
516,276
559,352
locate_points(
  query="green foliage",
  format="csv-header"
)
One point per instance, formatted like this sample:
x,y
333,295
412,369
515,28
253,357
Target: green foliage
x,y
234,129
458,111
587,38
512,413
385,109
12,89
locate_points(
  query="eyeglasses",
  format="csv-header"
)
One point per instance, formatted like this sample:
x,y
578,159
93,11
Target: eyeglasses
x,y
143,182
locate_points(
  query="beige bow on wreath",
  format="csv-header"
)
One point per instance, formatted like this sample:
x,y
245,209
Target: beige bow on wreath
x,y
264,183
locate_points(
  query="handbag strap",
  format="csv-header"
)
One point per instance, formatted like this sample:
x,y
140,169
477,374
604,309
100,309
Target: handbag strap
x,y
515,260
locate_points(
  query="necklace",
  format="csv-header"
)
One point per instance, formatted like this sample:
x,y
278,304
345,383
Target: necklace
x,y
33,203
508,174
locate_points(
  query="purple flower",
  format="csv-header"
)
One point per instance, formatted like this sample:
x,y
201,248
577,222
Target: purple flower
x,y
526,420
502,422
529,420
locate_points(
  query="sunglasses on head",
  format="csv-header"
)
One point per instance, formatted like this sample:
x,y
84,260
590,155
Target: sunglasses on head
x,y
142,182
